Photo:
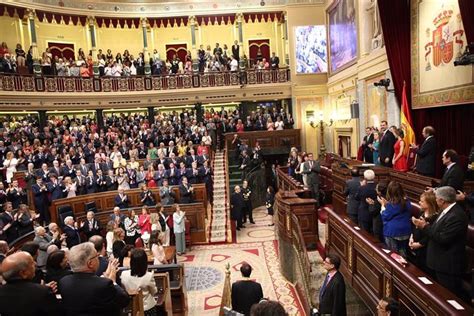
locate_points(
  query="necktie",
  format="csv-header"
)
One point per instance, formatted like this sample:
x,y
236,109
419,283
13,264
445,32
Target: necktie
x,y
323,287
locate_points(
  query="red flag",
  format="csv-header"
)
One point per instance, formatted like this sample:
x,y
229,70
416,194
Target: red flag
x,y
406,122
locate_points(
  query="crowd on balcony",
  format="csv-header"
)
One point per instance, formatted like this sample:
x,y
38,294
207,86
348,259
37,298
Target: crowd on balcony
x,y
116,64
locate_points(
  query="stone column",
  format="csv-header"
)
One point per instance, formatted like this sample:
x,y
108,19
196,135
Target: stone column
x,y
285,36
146,55
239,20
34,46
192,27
92,32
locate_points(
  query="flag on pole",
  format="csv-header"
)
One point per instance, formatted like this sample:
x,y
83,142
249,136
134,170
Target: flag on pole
x,y
406,122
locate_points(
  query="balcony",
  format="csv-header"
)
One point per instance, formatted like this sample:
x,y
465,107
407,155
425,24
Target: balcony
x,y
46,92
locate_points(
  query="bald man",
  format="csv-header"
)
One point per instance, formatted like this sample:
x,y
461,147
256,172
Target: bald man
x,y
20,296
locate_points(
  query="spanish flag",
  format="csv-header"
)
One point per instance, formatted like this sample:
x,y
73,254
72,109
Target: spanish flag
x,y
406,122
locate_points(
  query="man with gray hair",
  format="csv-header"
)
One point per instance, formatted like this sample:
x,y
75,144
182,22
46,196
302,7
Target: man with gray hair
x,y
44,241
72,233
20,296
446,251
237,204
83,292
366,191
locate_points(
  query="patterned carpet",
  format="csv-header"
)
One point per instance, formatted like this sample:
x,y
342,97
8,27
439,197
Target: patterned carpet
x,y
205,268
219,220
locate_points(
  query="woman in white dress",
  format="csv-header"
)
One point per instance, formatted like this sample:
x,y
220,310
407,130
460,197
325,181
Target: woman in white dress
x,y
279,124
70,187
139,278
157,248
10,164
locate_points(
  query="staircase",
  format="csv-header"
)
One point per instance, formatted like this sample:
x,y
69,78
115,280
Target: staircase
x,y
235,174
219,222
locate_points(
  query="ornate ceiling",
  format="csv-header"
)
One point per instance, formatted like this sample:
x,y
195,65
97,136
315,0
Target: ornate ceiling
x,y
159,7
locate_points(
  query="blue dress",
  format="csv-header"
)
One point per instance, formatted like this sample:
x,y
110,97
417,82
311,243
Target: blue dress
x,y
375,152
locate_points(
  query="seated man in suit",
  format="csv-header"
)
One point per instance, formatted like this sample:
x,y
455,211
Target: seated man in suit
x,y
21,296
90,226
83,292
146,196
246,292
72,233
332,295
121,200
167,195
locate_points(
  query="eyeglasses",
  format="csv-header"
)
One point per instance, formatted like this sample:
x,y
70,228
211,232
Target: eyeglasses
x,y
96,256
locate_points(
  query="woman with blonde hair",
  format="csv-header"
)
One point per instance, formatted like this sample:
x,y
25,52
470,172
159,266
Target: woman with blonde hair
x,y
418,241
70,187
10,165
155,222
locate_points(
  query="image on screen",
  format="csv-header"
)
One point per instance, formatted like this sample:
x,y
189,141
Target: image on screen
x,y
311,49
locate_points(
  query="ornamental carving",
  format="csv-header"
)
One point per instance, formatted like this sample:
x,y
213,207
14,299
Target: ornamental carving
x,y
156,83
51,85
28,83
69,84
139,86
187,82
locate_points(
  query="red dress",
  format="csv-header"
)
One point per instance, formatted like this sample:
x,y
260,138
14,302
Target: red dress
x,y
400,164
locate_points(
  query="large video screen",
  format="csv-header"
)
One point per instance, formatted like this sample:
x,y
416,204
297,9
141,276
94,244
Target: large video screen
x,y
311,49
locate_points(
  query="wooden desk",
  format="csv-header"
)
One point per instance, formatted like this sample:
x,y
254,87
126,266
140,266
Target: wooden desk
x,y
105,200
267,139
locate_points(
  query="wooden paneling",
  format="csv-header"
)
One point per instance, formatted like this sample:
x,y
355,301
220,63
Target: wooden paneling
x,y
374,274
268,139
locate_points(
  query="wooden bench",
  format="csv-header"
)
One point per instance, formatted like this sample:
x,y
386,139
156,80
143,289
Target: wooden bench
x,y
177,286
195,214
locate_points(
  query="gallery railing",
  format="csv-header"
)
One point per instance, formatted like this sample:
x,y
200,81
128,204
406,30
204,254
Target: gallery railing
x,y
30,83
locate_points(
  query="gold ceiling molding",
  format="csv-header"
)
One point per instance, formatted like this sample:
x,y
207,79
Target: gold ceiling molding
x,y
153,8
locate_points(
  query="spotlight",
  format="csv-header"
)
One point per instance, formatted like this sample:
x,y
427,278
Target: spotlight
x,y
382,83
262,3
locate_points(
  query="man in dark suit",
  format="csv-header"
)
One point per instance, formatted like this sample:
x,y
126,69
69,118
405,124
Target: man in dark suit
x,y
235,50
80,183
121,200
311,168
237,205
72,233
99,246
274,61
55,188
332,295
91,184
21,296
368,140
186,191
454,175
426,154
387,140
83,292
366,190
90,227
352,187
446,251
40,198
8,223
246,292
68,170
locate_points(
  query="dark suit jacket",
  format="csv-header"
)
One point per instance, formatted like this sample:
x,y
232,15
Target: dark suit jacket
x,y
184,195
237,205
333,299
312,173
245,293
386,148
454,177
366,191
72,236
446,251
25,298
352,187
91,232
120,203
426,157
87,294
56,190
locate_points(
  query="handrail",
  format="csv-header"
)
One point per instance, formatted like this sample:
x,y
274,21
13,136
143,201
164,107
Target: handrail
x,y
31,83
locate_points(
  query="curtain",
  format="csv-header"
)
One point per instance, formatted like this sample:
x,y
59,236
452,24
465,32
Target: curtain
x,y
395,20
466,7
179,49
62,50
453,125
255,45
